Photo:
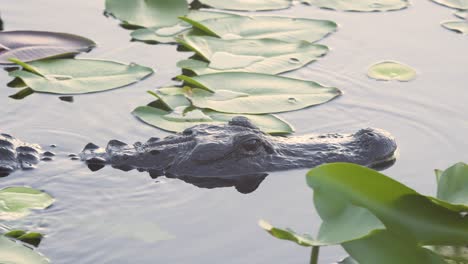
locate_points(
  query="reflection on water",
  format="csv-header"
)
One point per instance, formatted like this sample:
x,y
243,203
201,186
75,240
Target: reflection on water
x,y
427,116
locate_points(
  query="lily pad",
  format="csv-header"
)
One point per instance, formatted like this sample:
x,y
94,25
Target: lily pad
x,y
175,114
390,70
16,202
248,5
12,252
457,26
154,35
462,14
457,4
453,185
360,5
147,13
254,93
262,56
34,45
261,27
73,76
304,240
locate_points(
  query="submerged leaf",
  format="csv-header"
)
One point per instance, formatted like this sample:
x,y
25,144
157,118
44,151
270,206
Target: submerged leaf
x,y
261,56
148,13
34,45
72,76
457,26
254,93
457,4
261,27
390,70
360,5
15,202
16,253
248,5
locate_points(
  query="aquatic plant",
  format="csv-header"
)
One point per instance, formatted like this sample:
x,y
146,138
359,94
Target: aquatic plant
x,y
379,220
391,70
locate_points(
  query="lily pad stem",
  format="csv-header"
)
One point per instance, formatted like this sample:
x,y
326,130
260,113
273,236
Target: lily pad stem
x,y
314,255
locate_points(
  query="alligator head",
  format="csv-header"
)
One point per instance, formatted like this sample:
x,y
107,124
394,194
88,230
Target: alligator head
x,y
239,152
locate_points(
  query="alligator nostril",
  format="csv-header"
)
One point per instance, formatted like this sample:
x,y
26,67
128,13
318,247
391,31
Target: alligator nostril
x,y
370,134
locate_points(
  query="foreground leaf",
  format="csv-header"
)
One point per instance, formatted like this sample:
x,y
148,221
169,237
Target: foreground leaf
x,y
261,27
70,76
16,253
457,26
254,93
262,56
34,45
457,4
248,5
403,211
390,70
361,5
148,13
16,202
166,34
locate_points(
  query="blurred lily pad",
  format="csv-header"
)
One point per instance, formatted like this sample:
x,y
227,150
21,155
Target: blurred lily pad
x,y
452,185
361,5
16,202
261,27
147,13
73,76
457,4
12,252
255,93
457,26
34,45
390,70
248,5
262,56
462,14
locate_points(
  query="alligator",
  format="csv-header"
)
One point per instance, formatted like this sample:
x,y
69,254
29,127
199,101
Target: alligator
x,y
239,154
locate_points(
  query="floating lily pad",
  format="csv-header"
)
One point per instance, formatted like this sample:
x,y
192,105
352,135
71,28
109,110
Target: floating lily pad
x,y
166,34
261,27
457,4
462,14
263,56
147,13
248,5
15,202
389,70
34,45
457,26
254,93
12,252
360,5
72,76
175,114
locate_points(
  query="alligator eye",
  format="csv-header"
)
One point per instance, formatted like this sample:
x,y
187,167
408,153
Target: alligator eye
x,y
251,145
188,132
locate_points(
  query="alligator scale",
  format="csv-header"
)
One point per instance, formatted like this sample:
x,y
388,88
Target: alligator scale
x,y
237,154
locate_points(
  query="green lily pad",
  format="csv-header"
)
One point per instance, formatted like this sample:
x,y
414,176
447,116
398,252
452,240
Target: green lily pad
x,y
453,185
262,56
390,70
462,14
288,234
361,5
16,202
457,4
34,45
73,76
12,252
147,13
261,27
248,5
175,114
154,35
254,93
457,26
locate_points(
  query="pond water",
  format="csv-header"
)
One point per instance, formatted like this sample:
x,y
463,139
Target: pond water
x,y
112,216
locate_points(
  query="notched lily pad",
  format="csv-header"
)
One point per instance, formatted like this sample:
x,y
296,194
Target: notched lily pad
x,y
248,5
262,56
390,70
34,45
147,13
457,4
73,76
254,93
457,26
12,252
16,202
261,27
360,5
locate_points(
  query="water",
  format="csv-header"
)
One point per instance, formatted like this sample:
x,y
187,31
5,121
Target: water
x,y
117,217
